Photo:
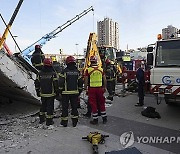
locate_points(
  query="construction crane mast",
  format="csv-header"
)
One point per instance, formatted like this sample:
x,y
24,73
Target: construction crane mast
x,y
92,50
26,52
3,39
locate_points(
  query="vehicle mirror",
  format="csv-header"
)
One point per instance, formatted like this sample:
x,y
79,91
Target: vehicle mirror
x,y
150,59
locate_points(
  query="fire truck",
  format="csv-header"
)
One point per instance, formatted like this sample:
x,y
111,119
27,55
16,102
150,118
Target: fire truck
x,y
129,74
164,58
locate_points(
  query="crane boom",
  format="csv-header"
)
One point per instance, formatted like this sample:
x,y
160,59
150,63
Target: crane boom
x,y
25,53
92,50
2,40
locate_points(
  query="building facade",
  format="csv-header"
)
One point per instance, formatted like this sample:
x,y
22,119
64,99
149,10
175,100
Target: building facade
x,y
169,32
108,33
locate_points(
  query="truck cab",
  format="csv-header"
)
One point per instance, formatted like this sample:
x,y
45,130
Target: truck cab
x,y
164,59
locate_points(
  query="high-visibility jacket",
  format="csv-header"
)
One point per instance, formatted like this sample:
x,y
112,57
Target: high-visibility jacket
x,y
46,83
70,81
95,74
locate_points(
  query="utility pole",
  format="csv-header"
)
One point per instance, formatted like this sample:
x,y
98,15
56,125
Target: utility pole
x,y
77,49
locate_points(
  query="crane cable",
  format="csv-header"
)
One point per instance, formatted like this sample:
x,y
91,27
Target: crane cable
x,y
10,33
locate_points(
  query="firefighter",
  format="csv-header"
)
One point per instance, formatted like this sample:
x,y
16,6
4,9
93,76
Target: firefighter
x,y
110,72
46,85
95,81
37,57
56,65
58,69
141,82
71,84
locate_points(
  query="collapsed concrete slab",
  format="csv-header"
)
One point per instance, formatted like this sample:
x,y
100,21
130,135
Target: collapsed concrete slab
x,y
16,82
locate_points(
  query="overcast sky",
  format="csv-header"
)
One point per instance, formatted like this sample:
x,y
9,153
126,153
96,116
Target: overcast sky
x,y
139,21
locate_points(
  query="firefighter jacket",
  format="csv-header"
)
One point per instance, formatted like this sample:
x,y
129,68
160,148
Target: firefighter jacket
x,y
46,83
70,81
110,73
95,76
37,58
57,67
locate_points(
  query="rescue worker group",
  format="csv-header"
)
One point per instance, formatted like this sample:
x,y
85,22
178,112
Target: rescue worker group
x,y
66,84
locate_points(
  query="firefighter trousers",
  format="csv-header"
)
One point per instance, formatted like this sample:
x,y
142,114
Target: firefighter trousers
x,y
96,98
111,87
141,93
73,99
47,105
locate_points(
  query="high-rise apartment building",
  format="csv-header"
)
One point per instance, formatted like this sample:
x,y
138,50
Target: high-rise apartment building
x,y
108,33
169,32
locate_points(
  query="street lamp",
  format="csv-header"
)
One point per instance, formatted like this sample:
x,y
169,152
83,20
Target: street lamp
x,y
77,49
60,51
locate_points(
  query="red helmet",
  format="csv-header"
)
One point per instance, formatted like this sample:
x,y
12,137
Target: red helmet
x,y
70,59
108,61
47,62
93,59
37,46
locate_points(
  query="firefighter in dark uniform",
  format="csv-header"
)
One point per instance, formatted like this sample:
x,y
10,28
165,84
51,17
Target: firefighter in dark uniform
x,y
110,72
95,81
58,69
37,57
71,84
57,66
47,87
141,82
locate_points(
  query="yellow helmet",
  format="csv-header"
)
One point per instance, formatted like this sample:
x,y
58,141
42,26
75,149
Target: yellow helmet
x,y
53,58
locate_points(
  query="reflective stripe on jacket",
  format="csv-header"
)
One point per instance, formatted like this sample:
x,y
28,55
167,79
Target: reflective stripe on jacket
x,y
70,81
47,82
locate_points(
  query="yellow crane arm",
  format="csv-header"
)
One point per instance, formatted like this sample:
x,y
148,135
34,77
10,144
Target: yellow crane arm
x,y
92,50
2,40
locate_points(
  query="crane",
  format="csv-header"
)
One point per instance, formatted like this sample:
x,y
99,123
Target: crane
x,y
7,48
3,39
26,52
92,50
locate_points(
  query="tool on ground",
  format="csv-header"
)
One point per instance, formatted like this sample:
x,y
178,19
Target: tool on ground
x,y
95,138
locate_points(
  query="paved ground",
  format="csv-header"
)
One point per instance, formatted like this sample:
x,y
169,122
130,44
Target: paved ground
x,y
22,134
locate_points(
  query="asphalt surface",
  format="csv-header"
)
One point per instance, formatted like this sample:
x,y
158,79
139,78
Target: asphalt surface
x,y
21,133
123,117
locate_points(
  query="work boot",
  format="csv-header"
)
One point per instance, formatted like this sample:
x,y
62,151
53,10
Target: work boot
x,y
104,119
64,123
49,121
94,122
74,122
41,119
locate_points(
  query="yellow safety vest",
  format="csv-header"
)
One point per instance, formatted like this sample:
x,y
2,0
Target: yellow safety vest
x,y
95,75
